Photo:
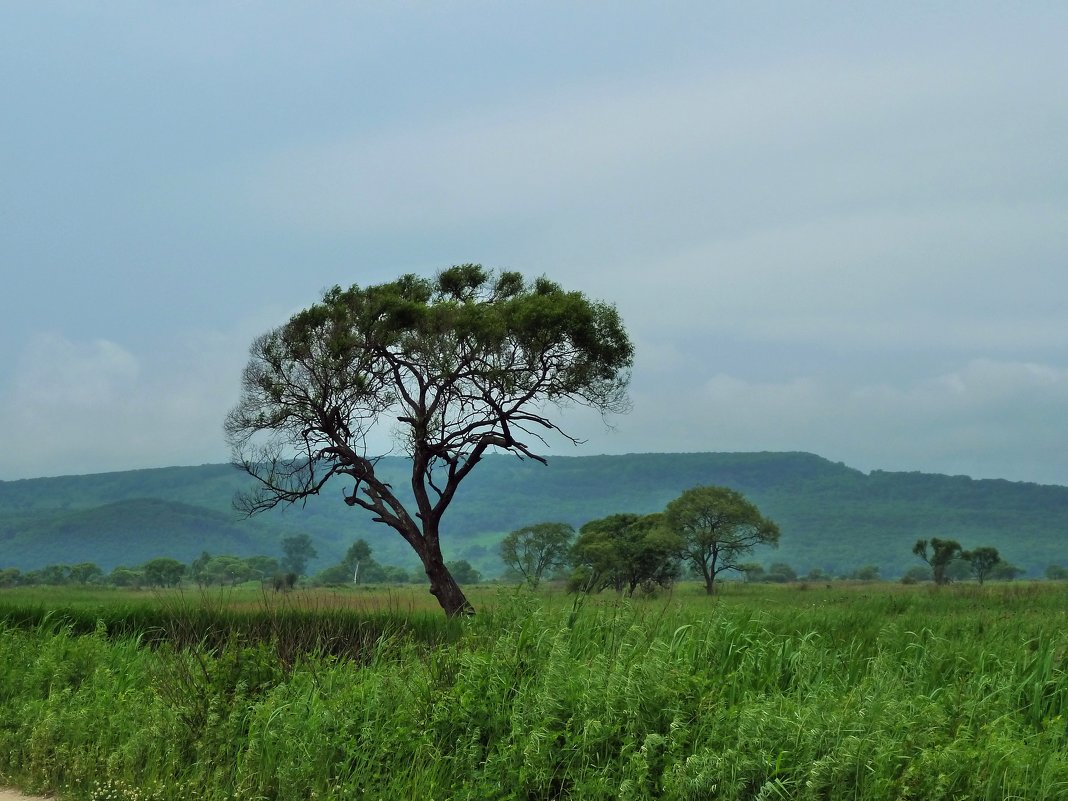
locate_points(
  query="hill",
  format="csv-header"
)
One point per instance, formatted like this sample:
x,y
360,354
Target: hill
x,y
832,516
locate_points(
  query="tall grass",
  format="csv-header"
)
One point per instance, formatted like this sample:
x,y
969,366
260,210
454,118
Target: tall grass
x,y
860,693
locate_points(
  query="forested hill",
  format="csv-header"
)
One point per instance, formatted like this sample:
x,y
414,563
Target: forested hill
x,y
831,516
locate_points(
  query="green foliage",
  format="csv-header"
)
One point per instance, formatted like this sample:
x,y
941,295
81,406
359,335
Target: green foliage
x,y
163,572
534,551
765,693
983,561
298,550
716,527
624,551
943,553
463,572
465,362
831,516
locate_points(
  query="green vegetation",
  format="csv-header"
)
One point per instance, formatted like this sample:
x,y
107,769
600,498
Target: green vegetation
x,y
863,692
831,517
716,527
535,551
466,363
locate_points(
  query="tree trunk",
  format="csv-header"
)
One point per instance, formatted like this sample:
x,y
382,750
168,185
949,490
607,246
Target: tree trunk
x,y
444,587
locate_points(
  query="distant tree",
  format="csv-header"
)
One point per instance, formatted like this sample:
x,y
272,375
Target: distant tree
x,y
780,573
817,574
126,577
716,527
197,569
85,572
917,574
335,575
10,577
752,571
53,574
1003,571
227,569
866,573
623,551
1056,573
298,550
359,552
392,574
163,572
262,566
532,551
464,572
942,552
982,561
460,365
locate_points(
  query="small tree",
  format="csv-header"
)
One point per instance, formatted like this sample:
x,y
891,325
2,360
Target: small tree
x,y
532,551
866,573
298,549
1056,573
458,366
751,571
163,572
716,527
197,568
623,551
1003,571
941,554
780,573
85,572
262,567
464,572
982,561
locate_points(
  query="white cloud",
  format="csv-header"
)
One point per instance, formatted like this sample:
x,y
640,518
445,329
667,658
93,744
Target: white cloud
x,y
91,406
987,418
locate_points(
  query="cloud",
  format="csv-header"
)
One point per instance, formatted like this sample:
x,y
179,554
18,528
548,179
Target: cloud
x,y
986,418
91,406
55,373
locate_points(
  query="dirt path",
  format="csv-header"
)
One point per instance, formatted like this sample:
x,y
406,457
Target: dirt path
x,y
15,795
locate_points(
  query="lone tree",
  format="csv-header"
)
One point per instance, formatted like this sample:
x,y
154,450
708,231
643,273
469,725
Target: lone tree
x,y
716,527
531,551
298,549
942,553
983,561
456,365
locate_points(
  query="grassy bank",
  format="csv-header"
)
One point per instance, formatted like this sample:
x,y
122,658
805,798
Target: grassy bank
x,y
865,692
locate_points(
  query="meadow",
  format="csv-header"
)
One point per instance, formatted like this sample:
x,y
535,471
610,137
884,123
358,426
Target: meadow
x,y
840,691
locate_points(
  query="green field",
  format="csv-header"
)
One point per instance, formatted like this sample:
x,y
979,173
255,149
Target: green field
x,y
859,691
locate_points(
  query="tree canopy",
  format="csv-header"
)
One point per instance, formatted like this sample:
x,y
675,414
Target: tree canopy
x,y
531,551
942,553
456,366
716,527
624,551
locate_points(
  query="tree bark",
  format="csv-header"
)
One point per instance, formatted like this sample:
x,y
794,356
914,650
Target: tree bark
x,y
444,587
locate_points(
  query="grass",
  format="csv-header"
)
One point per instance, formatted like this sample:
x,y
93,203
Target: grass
x,y
848,692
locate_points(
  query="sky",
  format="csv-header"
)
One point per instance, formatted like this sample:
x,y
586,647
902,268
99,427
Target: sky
x,y
839,228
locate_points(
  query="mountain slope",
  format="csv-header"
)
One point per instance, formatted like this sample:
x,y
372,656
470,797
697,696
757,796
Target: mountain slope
x,y
832,516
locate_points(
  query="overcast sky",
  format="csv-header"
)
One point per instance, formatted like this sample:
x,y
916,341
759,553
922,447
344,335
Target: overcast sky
x,y
838,228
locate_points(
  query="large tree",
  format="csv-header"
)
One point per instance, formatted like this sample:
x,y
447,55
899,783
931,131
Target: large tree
x,y
456,366
716,528
531,551
942,553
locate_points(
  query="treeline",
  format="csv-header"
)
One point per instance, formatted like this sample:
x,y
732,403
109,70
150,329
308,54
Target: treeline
x,y
832,517
227,570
